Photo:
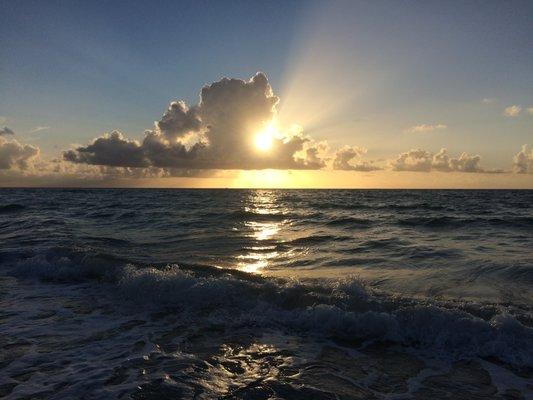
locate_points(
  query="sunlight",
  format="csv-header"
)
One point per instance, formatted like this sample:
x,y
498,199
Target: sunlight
x,y
265,138
263,141
257,258
297,179
266,178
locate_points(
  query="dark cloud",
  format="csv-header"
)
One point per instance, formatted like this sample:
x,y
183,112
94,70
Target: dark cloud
x,y
111,149
217,133
16,155
523,161
6,131
178,120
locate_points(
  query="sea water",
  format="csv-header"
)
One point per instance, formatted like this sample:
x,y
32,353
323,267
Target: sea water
x,y
258,294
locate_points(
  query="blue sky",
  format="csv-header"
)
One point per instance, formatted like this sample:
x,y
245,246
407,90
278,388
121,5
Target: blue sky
x,y
378,67
93,66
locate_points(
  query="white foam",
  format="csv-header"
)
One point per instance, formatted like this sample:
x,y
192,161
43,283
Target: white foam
x,y
342,308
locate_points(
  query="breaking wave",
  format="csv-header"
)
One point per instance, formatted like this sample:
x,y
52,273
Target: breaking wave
x,y
341,309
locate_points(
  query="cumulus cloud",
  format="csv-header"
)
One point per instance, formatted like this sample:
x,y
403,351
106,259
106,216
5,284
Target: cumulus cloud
x,y
111,149
512,111
16,155
24,164
6,131
178,120
313,154
413,160
425,161
348,158
466,163
216,133
523,161
424,128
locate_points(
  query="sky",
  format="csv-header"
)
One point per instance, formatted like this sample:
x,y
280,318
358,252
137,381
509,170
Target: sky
x,y
266,94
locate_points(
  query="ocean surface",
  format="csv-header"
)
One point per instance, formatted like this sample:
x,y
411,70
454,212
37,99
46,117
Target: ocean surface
x,y
266,294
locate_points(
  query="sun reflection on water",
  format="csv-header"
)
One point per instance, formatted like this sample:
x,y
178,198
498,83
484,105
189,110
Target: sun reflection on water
x,y
257,258
264,230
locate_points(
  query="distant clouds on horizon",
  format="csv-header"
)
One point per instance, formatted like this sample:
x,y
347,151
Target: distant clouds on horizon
x,y
217,134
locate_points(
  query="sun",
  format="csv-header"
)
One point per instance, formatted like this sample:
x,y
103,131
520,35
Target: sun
x,y
265,139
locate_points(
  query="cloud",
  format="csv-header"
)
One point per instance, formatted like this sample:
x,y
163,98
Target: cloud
x,y
489,100
523,161
38,129
16,155
313,154
178,120
424,161
529,110
424,128
465,163
413,160
22,163
512,111
6,131
348,158
112,150
216,133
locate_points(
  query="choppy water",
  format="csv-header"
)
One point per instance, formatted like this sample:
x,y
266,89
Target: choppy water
x,y
266,294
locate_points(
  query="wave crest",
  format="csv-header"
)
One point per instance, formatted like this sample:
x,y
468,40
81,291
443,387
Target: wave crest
x,y
343,309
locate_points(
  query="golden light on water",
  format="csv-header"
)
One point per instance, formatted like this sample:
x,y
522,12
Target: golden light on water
x,y
257,258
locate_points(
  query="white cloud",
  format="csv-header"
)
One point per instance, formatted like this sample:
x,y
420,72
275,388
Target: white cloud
x,y
38,129
488,100
349,158
425,161
512,111
16,155
523,161
424,128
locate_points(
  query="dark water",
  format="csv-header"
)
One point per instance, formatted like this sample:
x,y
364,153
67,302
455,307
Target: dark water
x,y
266,293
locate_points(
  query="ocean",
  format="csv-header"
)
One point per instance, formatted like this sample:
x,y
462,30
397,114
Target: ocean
x,y
266,294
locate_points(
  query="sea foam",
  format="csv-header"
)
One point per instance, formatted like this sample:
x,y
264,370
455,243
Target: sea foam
x,y
343,309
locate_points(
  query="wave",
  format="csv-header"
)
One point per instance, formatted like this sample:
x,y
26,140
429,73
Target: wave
x,y
415,206
350,222
256,216
460,222
11,208
379,206
343,309
316,239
